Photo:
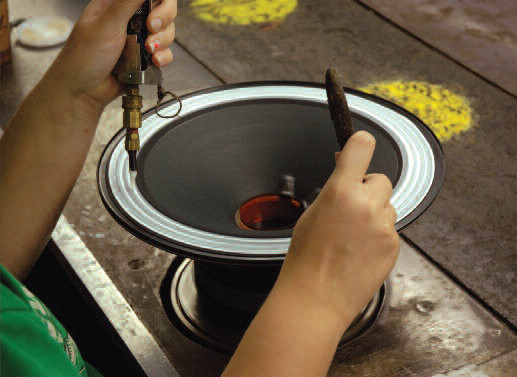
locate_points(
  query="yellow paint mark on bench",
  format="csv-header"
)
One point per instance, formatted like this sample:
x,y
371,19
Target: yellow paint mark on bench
x,y
243,12
445,112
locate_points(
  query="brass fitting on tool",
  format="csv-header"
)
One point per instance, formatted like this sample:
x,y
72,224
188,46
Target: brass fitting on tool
x,y
132,121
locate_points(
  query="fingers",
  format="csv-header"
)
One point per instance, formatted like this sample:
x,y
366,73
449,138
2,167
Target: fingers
x,y
161,16
160,41
380,187
161,26
355,158
162,58
119,12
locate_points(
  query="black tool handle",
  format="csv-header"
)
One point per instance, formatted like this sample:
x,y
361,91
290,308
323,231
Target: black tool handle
x,y
137,25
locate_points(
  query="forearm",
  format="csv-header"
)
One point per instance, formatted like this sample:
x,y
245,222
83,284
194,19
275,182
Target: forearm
x,y
292,335
342,249
41,155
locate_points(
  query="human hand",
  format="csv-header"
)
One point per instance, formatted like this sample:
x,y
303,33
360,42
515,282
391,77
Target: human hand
x,y
345,244
83,68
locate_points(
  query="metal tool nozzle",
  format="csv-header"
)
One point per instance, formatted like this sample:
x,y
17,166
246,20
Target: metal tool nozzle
x,y
132,120
132,160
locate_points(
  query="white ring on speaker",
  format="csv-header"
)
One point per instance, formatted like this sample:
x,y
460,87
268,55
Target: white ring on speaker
x,y
416,178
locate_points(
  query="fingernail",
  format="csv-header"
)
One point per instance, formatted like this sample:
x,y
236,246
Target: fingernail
x,y
156,24
154,46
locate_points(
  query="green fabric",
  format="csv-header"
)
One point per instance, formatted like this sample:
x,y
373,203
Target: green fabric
x,y
91,371
32,341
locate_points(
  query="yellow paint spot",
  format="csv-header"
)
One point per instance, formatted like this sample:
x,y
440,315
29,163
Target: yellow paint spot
x,y
243,12
447,113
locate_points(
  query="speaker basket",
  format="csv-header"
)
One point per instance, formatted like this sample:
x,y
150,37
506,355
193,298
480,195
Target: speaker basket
x,y
232,143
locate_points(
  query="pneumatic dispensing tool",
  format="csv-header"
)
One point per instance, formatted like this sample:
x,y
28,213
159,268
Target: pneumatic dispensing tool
x,y
135,68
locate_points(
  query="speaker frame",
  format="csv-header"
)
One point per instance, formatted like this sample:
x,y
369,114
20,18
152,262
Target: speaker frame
x,y
279,245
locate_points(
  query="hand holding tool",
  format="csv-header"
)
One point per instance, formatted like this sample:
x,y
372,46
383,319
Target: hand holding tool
x,y
135,68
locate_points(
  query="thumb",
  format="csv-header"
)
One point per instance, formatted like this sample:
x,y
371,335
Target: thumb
x,y
119,12
354,159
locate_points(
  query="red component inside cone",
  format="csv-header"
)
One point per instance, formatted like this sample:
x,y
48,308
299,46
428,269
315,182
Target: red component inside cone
x,y
269,212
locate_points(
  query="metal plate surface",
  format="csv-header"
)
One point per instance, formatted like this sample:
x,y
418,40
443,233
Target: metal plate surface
x,y
481,35
429,326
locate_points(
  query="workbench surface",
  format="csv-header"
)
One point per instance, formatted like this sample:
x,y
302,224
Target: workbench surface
x,y
468,235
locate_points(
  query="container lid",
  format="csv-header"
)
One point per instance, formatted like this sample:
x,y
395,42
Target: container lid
x,y
44,31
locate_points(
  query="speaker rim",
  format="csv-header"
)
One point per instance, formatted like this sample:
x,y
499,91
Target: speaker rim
x,y
192,251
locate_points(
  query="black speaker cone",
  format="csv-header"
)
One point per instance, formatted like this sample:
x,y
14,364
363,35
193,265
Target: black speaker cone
x,y
202,169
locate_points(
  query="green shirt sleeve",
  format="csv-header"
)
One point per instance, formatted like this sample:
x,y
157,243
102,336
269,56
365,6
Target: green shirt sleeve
x,y
32,341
